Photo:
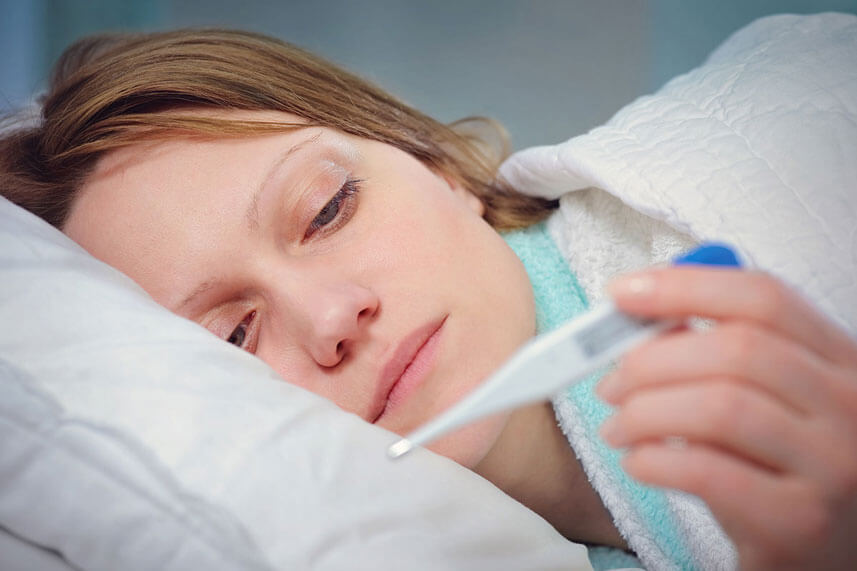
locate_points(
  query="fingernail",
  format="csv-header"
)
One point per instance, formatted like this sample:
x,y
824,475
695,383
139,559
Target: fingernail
x,y
612,432
632,285
609,388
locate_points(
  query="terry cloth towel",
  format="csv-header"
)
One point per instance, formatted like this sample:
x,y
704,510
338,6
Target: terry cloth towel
x,y
666,529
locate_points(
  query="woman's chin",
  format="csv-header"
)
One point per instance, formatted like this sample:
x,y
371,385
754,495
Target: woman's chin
x,y
470,445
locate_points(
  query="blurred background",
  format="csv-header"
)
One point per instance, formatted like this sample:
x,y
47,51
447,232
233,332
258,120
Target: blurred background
x,y
547,69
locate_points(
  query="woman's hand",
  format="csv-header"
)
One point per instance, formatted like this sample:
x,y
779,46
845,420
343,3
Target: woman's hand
x,y
757,415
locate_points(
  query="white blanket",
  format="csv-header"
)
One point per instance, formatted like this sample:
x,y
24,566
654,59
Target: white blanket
x,y
757,147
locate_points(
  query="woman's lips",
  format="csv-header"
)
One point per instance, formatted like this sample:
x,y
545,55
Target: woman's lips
x,y
410,364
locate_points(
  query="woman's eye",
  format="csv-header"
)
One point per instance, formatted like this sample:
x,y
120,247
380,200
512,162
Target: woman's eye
x,y
337,211
238,337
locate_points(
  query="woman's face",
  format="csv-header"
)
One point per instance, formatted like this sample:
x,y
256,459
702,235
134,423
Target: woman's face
x,y
345,264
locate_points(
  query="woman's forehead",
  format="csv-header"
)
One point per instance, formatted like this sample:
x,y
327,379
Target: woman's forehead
x,y
146,147
159,151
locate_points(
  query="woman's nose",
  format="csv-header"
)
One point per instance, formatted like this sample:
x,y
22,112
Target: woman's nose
x,y
338,317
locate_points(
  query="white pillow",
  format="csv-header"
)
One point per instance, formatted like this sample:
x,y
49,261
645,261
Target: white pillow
x,y
131,438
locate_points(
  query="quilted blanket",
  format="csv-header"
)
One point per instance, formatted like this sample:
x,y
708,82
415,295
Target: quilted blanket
x,y
757,147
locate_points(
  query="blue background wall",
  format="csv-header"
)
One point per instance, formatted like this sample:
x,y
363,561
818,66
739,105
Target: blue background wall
x,y
548,69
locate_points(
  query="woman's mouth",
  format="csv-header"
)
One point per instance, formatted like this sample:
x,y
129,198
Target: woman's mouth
x,y
411,362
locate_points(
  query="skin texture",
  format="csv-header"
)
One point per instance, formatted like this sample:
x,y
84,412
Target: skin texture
x,y
764,404
267,242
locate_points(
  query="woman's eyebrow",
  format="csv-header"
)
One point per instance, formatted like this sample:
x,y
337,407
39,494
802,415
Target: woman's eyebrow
x,y
197,292
252,214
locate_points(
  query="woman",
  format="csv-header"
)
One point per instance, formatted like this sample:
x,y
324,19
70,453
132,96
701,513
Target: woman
x,y
351,243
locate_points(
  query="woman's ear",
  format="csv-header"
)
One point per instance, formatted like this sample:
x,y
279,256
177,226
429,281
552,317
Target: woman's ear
x,y
471,200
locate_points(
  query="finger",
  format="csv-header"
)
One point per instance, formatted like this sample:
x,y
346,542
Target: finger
x,y
830,458
720,293
844,392
742,351
716,413
758,509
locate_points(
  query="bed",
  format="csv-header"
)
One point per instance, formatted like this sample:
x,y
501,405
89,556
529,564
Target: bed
x,y
134,439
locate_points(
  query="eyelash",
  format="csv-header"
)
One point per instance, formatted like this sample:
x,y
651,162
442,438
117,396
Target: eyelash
x,y
343,205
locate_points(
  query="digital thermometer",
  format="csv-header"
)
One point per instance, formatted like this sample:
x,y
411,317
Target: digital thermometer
x,y
555,360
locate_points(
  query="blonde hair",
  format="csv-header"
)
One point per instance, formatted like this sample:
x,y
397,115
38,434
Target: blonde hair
x,y
111,91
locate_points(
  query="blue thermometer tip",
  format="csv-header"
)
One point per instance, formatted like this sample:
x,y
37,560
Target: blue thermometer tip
x,y
710,254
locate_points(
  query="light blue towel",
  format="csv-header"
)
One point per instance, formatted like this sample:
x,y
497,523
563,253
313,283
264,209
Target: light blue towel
x,y
559,297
